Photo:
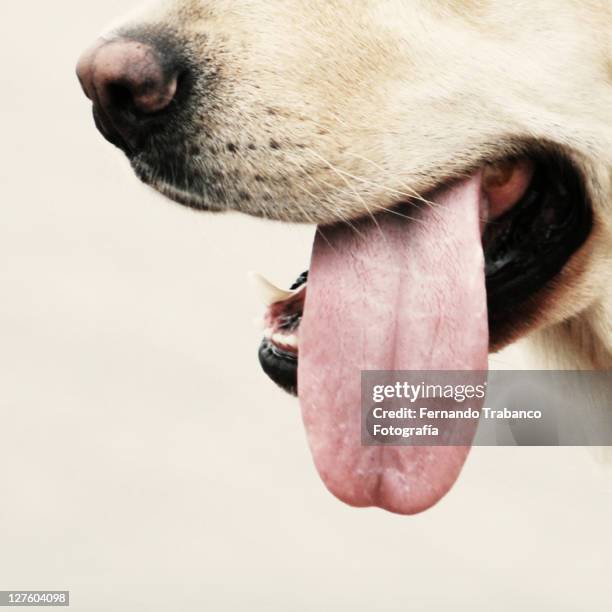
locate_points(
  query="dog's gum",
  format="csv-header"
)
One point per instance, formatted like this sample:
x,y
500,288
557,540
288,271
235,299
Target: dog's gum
x,y
505,183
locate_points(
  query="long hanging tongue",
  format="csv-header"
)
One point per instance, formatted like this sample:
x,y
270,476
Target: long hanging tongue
x,y
390,294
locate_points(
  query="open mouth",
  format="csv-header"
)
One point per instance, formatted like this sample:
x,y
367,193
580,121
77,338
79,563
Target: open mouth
x,y
433,285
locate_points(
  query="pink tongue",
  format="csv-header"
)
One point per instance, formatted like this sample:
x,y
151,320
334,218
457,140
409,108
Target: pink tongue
x,y
390,294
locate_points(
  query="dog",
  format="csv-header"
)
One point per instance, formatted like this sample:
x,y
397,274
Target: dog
x,y
456,156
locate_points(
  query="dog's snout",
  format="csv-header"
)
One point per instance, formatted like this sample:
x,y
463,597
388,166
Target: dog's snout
x,y
129,82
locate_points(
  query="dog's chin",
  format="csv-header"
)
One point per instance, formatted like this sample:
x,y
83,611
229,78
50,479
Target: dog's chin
x,y
168,188
179,195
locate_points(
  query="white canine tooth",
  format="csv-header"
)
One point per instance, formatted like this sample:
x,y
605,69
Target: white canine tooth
x,y
282,340
291,341
269,293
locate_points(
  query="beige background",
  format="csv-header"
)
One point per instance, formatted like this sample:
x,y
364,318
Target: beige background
x,y
146,463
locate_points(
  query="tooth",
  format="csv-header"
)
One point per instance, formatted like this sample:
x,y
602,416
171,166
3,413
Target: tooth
x,y
291,341
269,293
282,340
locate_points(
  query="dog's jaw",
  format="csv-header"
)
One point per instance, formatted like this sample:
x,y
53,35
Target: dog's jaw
x,y
369,102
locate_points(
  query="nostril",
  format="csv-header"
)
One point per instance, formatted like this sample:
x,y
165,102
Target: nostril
x,y
140,85
119,95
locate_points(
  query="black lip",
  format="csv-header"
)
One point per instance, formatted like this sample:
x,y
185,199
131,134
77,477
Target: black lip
x,y
280,366
524,250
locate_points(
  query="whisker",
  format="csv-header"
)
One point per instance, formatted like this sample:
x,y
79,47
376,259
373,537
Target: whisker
x,y
412,193
329,244
340,173
393,211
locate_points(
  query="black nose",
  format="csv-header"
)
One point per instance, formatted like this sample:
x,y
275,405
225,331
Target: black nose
x,y
130,84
